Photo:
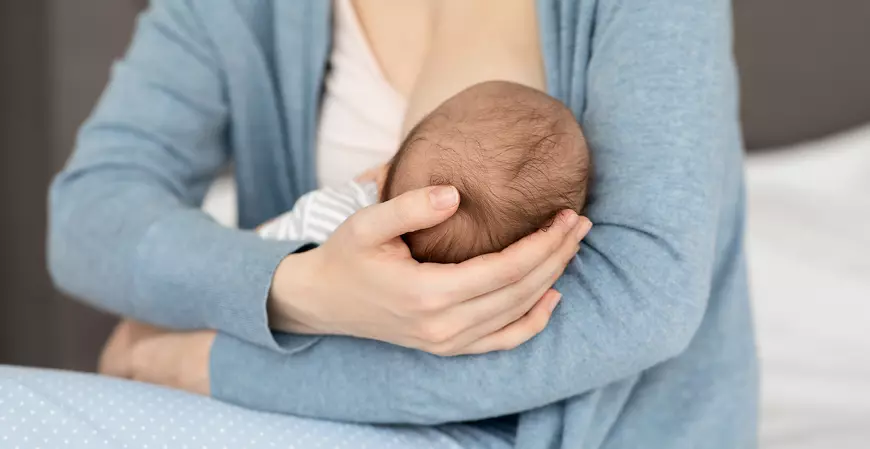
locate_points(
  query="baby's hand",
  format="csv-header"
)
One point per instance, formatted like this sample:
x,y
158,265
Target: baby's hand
x,y
377,175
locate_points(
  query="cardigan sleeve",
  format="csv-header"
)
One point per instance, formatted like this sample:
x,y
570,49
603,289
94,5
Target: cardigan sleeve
x,y
661,119
125,230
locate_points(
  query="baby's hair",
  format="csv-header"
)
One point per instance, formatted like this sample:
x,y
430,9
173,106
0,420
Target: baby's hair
x,y
516,156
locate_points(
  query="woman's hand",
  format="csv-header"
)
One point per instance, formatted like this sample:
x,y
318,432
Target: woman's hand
x,y
150,354
363,282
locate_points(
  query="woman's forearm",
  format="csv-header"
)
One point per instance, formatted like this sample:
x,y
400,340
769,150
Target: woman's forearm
x,y
588,344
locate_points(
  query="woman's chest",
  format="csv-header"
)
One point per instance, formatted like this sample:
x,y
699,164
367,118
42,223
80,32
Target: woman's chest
x,y
381,57
429,50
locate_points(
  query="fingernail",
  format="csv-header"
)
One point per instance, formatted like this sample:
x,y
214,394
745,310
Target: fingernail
x,y
584,229
443,197
555,302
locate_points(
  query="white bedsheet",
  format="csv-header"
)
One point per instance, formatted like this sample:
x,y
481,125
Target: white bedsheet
x,y
808,243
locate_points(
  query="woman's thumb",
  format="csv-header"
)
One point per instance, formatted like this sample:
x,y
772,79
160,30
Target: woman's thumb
x,y
408,212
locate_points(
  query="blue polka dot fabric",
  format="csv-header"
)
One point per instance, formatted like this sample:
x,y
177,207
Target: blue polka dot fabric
x,y
57,409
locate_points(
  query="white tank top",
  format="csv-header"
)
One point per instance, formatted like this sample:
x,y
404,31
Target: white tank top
x,y
361,115
360,119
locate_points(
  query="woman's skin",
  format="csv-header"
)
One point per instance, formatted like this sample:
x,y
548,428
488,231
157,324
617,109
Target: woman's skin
x,y
474,42
363,282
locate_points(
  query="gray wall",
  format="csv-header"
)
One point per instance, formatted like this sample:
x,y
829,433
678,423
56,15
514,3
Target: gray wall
x,y
25,295
55,56
805,68
86,36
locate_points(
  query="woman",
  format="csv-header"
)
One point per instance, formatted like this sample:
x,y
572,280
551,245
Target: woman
x,y
652,343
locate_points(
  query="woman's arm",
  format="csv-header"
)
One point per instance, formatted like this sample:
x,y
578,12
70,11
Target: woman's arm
x,y
661,118
127,235
125,231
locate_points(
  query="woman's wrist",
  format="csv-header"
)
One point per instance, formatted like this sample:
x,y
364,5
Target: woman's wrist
x,y
292,288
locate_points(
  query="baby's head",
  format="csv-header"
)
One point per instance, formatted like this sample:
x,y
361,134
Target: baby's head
x,y
516,155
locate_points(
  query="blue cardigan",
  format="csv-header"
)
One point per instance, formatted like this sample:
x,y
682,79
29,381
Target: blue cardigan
x,y
652,345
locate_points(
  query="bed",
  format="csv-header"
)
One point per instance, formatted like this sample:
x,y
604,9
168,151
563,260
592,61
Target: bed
x,y
808,237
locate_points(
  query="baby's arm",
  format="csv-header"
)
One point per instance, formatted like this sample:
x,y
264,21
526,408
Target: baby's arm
x,y
317,214
290,224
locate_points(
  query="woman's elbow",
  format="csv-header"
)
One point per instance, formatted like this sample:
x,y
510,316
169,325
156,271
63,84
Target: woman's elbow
x,y
84,251
669,293
675,316
655,317
63,267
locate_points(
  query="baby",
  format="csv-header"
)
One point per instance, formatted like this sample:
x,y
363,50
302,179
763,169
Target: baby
x,y
516,155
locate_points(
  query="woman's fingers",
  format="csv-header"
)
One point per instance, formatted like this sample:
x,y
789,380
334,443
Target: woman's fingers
x,y
490,272
518,332
484,315
408,212
459,325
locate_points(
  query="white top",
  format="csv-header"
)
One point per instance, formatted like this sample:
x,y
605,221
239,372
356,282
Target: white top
x,y
360,123
360,128
361,117
317,214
